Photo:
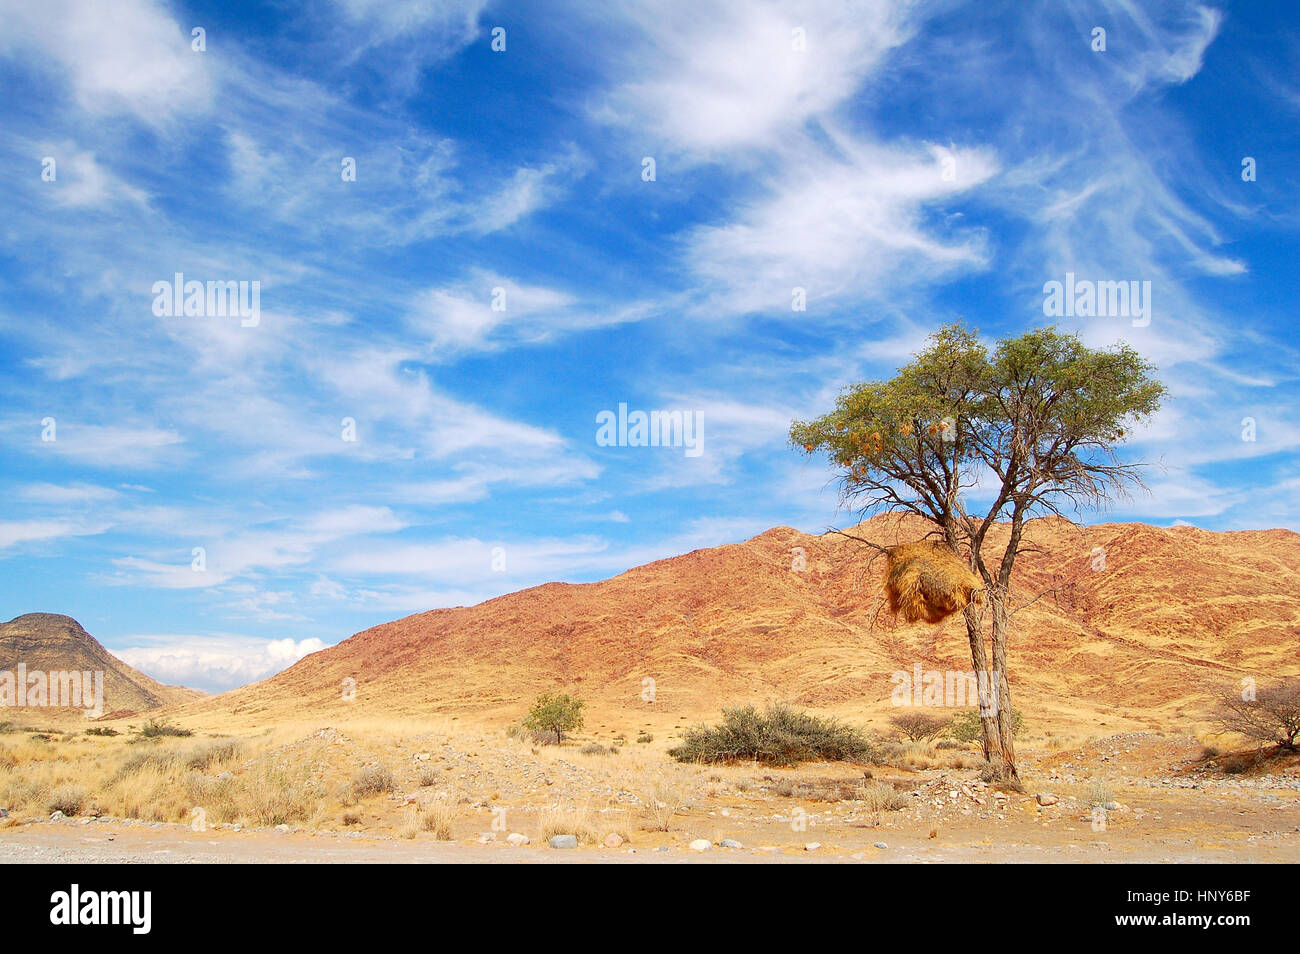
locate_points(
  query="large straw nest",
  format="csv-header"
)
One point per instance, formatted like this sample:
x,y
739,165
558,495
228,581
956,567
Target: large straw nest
x,y
927,581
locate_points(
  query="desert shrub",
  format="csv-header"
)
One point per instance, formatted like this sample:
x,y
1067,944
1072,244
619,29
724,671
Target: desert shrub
x,y
555,712
965,726
920,726
644,737
1271,715
428,775
66,798
372,780
777,735
156,728
101,730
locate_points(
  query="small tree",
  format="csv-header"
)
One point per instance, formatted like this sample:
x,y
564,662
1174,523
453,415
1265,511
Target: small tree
x,y
919,726
1034,425
555,712
1269,715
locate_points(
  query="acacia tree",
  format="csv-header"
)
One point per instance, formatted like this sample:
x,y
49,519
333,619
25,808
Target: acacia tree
x,y
1035,423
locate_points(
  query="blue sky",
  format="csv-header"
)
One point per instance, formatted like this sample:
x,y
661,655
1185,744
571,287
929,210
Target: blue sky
x,y
912,164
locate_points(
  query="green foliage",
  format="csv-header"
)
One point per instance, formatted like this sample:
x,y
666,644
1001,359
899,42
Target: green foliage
x,y
777,735
965,725
1043,411
556,713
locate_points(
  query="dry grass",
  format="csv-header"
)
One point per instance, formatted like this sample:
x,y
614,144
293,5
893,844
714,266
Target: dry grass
x,y
927,581
438,817
662,801
878,797
568,821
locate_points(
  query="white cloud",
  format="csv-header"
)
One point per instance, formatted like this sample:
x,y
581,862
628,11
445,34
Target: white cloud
x,y
213,663
105,445
14,532
67,494
848,225
81,181
130,56
709,76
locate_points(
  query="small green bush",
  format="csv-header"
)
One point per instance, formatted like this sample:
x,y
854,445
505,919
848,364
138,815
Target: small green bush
x,y
777,735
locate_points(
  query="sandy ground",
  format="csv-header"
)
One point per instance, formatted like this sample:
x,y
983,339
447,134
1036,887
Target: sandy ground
x,y
1226,833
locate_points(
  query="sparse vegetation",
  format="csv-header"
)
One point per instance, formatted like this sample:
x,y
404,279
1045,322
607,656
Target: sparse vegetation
x,y
102,730
662,801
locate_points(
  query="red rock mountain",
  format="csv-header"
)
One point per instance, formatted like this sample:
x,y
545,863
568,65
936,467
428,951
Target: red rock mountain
x,y
1173,615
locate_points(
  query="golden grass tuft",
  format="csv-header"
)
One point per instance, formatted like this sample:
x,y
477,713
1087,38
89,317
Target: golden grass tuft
x,y
928,581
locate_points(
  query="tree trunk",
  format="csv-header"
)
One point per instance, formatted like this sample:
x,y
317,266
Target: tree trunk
x,y
1005,762
980,661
